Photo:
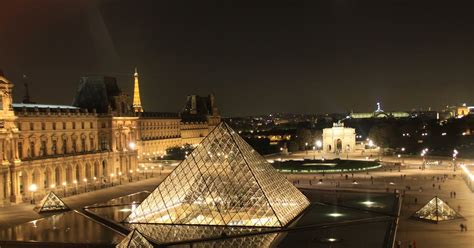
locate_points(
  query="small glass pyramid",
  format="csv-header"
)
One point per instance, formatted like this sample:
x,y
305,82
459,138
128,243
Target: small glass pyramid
x,y
51,202
223,182
436,210
134,240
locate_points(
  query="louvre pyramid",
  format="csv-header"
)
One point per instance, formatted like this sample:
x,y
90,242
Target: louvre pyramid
x,y
436,210
51,202
223,182
134,240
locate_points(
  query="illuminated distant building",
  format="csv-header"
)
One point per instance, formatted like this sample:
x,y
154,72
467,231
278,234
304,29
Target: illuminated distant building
x,y
339,139
379,113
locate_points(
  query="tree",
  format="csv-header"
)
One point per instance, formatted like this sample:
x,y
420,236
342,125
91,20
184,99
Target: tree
x,y
383,135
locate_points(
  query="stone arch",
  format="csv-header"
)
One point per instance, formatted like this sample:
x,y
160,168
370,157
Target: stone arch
x,y
47,178
36,177
96,169
69,176
104,168
338,145
77,173
57,176
89,169
23,179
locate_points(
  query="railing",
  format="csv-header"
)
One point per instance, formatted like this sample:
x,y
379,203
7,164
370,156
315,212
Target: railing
x,y
50,156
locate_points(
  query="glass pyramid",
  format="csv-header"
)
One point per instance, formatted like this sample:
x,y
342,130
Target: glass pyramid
x,y
436,210
223,182
134,240
51,202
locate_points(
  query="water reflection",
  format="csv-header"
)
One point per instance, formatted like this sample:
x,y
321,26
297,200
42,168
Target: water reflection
x,y
69,227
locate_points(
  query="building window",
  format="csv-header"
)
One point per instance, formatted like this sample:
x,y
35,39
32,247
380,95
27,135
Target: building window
x,y
32,126
32,149
91,144
73,125
104,125
103,143
63,149
1,102
54,125
74,146
43,126
43,148
54,147
64,125
83,144
92,124
82,125
20,149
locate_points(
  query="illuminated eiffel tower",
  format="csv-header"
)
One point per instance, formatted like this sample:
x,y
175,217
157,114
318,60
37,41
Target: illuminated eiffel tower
x,y
137,103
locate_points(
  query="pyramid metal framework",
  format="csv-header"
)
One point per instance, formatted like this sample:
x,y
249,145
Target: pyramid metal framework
x,y
134,240
223,182
436,210
51,202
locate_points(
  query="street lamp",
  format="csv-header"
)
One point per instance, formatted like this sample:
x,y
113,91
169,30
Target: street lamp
x,y
112,178
33,189
132,145
120,177
455,154
423,154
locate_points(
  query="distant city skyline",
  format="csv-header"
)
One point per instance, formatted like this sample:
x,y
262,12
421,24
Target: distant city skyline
x,y
303,57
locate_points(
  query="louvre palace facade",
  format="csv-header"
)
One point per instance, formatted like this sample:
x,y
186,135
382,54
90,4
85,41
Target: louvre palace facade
x,y
99,139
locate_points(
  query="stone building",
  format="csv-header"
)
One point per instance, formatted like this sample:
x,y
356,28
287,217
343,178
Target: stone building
x,y
98,139
339,139
60,147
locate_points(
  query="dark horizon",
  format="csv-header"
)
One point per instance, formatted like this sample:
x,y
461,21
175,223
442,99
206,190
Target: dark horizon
x,y
267,57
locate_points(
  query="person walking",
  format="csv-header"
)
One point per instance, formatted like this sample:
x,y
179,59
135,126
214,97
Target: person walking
x,y
462,227
454,194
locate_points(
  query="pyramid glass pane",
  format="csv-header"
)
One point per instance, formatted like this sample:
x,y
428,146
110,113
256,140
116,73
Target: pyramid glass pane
x,y
222,182
436,210
51,202
134,240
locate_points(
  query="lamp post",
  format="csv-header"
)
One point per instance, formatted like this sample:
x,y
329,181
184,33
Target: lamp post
x,y
64,188
423,154
112,178
52,186
120,177
319,144
455,154
33,189
95,183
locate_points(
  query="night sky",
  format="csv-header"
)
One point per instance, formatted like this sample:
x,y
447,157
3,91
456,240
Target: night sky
x,y
256,56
